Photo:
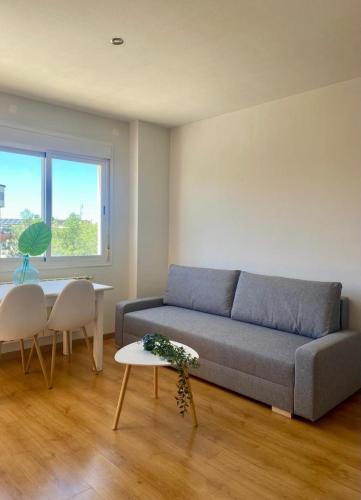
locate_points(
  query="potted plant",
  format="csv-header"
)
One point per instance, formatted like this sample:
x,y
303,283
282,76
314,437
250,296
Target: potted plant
x,y
161,346
33,241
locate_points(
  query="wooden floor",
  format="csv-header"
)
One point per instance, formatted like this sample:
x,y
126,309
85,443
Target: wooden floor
x,y
59,443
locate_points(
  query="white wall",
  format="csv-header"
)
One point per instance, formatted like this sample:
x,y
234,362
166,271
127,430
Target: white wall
x,y
92,132
133,207
32,115
149,206
273,189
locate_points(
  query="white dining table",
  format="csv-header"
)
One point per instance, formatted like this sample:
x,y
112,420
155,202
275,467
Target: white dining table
x,y
52,288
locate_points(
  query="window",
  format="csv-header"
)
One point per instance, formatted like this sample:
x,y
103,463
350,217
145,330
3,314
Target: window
x,y
21,178
68,192
76,224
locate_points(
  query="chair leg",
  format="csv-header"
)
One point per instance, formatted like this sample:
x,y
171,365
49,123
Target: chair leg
x,y
53,356
86,338
68,341
22,350
30,357
41,360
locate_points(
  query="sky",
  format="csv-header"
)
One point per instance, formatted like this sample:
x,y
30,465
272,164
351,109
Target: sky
x,y
75,186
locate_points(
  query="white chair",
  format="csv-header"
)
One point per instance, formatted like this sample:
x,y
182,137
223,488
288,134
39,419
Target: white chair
x,y
23,316
73,310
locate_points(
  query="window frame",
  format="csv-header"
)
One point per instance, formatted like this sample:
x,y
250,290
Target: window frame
x,y
49,261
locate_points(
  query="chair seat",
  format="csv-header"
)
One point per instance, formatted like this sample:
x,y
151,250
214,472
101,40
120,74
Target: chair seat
x,y
252,349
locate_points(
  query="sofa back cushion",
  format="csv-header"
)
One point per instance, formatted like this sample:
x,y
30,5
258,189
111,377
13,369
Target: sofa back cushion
x,y
201,289
309,308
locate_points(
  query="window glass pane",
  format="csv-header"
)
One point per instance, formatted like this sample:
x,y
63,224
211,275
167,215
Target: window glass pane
x,y
76,208
20,199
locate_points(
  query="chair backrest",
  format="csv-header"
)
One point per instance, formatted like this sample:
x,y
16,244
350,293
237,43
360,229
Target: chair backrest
x,y
74,308
22,312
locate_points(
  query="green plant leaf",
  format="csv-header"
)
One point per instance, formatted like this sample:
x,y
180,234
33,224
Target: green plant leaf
x,y
35,239
161,346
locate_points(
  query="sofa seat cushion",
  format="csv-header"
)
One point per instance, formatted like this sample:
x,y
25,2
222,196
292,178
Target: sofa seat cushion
x,y
201,289
309,308
252,349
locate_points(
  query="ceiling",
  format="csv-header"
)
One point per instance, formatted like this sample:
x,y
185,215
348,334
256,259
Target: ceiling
x,y
183,60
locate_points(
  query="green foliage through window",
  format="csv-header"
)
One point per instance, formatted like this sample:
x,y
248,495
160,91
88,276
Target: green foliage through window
x,y
72,236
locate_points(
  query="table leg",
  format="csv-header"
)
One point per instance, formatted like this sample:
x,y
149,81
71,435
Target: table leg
x,y
193,408
155,379
53,355
67,344
98,331
121,396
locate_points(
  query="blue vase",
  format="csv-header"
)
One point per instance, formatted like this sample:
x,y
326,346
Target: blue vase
x,y
25,273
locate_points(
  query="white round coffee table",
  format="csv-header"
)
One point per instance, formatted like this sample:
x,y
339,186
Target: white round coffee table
x,y
135,355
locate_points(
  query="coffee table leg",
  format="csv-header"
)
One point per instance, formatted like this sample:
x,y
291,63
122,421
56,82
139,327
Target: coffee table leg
x,y
156,382
121,396
193,408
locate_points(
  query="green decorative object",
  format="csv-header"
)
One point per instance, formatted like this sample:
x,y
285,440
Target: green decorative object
x,y
161,346
33,241
26,273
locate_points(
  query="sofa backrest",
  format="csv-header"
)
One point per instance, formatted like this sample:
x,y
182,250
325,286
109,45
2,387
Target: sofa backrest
x,y
201,289
309,308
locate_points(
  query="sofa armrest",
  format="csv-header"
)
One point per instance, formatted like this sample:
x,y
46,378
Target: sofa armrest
x,y
127,306
327,371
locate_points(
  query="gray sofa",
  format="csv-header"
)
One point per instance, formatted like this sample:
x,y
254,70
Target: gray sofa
x,y
282,341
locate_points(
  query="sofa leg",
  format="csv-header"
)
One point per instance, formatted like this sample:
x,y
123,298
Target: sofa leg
x,y
284,413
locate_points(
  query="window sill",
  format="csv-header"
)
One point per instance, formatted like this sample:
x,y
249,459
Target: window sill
x,y
9,265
